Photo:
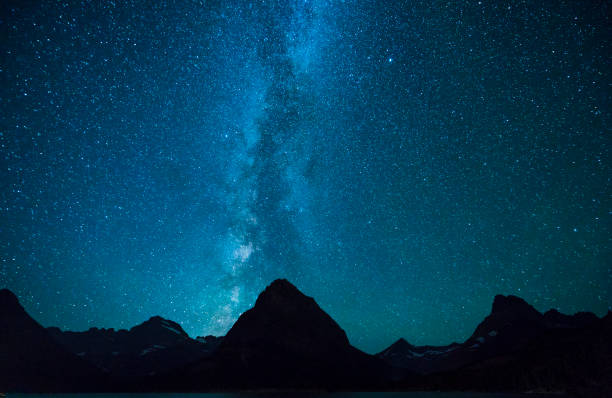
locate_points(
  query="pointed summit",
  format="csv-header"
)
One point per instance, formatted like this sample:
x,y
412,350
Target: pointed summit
x,y
280,289
157,324
287,341
280,292
510,314
282,283
400,348
512,304
401,345
285,315
156,331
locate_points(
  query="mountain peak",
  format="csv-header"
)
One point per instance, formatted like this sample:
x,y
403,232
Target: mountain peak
x,y
287,338
281,310
401,346
159,321
281,287
282,283
508,311
510,303
401,342
279,293
159,328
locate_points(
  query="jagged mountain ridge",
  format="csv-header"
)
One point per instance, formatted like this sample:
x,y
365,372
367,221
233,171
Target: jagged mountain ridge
x,y
511,326
576,360
286,341
155,346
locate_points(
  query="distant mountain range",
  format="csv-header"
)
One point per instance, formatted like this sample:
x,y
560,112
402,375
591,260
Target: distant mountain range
x,y
286,341
149,349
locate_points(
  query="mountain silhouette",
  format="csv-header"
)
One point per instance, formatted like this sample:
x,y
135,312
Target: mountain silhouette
x,y
555,319
511,324
286,341
32,361
515,348
576,360
285,318
155,346
510,317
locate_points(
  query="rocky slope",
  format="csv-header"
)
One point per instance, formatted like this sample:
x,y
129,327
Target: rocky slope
x,y
32,361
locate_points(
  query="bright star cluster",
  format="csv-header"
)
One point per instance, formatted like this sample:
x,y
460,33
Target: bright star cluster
x,y
401,162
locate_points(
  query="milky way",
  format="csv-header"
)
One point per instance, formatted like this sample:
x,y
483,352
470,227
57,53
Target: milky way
x,y
400,162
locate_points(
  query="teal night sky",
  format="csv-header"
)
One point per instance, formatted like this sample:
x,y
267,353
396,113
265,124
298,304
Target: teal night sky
x,y
402,162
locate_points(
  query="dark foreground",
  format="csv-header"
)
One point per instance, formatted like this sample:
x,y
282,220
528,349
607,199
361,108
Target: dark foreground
x,y
287,342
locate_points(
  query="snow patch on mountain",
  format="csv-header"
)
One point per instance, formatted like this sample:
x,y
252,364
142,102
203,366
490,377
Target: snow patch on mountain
x,y
166,325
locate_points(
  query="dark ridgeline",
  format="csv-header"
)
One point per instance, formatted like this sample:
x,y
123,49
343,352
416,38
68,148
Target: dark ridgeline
x,y
32,361
516,348
511,324
131,357
286,341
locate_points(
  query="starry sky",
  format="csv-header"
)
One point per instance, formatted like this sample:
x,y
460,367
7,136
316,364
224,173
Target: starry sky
x,y
402,162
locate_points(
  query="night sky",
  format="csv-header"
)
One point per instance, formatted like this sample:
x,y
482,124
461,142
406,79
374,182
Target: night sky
x,y
401,162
